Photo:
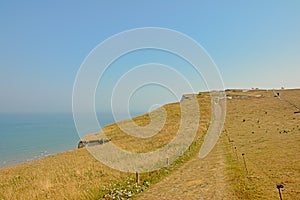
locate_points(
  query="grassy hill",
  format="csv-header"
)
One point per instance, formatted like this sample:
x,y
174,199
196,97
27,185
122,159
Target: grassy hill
x,y
77,175
259,124
267,130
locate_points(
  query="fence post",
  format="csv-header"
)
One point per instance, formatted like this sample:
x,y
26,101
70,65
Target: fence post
x,y
279,186
237,158
245,162
137,177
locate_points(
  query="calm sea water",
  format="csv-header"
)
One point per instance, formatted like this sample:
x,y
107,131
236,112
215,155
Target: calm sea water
x,y
26,137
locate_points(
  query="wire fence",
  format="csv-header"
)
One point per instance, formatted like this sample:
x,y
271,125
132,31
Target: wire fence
x,y
277,94
261,169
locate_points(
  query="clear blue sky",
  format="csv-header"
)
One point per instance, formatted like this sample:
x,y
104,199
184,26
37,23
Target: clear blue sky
x,y
43,43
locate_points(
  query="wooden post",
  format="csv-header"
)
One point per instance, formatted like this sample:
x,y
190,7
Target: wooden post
x,y
228,138
167,161
137,177
245,162
237,158
279,186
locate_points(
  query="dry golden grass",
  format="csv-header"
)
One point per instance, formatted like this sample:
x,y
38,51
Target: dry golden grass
x,y
69,175
267,131
136,144
258,124
262,127
168,131
76,174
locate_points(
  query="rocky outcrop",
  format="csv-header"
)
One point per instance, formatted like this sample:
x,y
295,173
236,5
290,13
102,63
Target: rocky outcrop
x,y
84,143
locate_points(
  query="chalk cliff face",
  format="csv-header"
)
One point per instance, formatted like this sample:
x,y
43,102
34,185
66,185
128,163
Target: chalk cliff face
x,y
84,143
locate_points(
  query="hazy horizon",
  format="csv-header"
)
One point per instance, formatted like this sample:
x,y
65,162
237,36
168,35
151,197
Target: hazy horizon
x,y
43,44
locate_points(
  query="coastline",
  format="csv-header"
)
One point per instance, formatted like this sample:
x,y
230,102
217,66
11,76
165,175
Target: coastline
x,y
257,121
33,136
73,145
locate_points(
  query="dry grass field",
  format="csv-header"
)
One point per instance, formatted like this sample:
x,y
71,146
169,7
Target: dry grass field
x,y
77,175
68,175
267,131
262,127
259,125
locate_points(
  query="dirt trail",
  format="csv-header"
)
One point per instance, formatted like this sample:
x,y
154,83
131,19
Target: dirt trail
x,y
197,179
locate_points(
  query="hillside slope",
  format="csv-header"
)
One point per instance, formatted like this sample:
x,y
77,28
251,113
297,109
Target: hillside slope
x,y
77,174
259,125
266,130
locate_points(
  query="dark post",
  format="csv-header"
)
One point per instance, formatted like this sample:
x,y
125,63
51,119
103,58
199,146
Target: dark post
x,y
245,162
279,186
167,161
137,177
237,158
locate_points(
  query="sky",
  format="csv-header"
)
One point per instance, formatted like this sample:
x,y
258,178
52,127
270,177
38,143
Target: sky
x,y
44,43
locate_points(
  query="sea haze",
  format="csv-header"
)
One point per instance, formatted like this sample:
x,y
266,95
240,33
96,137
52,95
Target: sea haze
x,y
26,137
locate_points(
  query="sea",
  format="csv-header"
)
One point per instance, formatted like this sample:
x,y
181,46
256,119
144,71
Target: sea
x,y
28,137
